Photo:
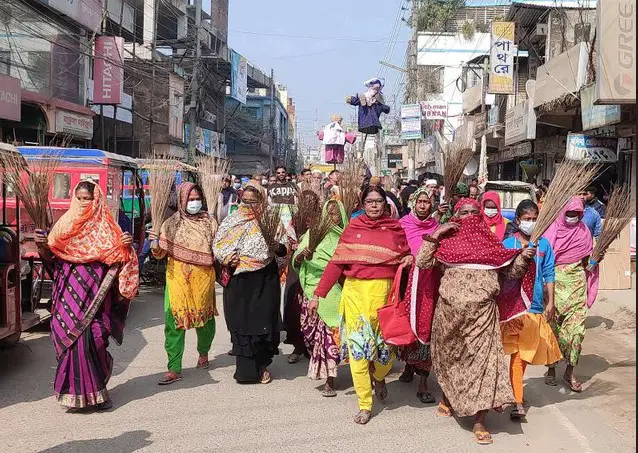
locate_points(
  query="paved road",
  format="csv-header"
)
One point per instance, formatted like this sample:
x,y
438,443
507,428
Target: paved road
x,y
208,412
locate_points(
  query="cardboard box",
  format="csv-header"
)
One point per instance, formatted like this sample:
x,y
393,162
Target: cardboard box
x,y
615,269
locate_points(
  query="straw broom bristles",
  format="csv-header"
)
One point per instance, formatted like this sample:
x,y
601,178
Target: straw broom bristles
x,y
161,175
620,210
210,173
32,191
318,230
456,158
350,184
308,208
269,222
571,178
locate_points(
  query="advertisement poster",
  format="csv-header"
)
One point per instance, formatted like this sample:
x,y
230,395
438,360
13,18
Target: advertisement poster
x,y
502,52
238,77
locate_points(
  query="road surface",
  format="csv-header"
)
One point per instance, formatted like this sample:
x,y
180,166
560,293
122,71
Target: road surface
x,y
208,412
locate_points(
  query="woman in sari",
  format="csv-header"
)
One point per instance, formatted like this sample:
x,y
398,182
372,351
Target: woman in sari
x,y
467,352
368,255
491,213
320,329
575,288
422,296
95,276
189,299
253,294
529,338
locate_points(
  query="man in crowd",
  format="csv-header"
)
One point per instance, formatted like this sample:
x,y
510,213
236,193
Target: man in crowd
x,y
593,202
332,185
281,191
431,184
305,179
227,199
591,218
474,192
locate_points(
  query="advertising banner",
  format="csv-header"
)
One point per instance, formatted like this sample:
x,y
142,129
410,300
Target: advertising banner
x,y
411,122
591,149
108,70
502,52
238,77
434,110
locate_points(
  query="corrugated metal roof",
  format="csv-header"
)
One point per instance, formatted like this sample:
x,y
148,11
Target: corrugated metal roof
x,y
530,12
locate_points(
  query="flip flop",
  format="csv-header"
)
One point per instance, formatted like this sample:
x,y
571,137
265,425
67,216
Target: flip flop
x,y
571,383
483,438
550,380
517,414
266,378
362,417
426,397
169,378
328,392
443,410
203,363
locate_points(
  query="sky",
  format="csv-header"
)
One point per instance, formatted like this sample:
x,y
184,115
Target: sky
x,y
322,50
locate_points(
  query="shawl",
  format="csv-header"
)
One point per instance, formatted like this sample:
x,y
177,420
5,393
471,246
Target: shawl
x,y
85,234
369,241
474,246
310,271
414,227
572,243
186,237
497,221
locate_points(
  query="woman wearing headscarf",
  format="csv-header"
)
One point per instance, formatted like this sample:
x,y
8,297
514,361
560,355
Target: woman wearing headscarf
x,y
186,238
529,339
320,329
422,293
575,288
253,294
95,276
368,255
491,213
467,352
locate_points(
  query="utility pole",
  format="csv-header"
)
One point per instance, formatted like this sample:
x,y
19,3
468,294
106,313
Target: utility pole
x,y
482,172
412,83
151,148
192,111
273,137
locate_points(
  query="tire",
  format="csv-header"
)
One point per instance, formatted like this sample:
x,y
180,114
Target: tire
x,y
10,341
36,285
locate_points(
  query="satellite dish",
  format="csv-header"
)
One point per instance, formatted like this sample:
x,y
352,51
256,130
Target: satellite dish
x,y
471,167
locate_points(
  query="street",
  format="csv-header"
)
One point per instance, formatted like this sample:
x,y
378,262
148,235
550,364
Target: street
x,y
208,412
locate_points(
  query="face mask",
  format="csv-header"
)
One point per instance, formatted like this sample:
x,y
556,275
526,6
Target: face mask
x,y
85,203
194,206
237,185
527,226
264,182
490,212
572,220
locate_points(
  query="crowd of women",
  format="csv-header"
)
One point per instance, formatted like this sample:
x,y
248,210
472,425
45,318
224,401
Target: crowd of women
x,y
475,289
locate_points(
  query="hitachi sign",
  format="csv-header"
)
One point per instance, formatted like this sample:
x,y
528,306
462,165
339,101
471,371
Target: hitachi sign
x,y
108,70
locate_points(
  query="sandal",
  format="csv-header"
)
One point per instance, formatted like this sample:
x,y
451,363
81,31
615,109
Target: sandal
x,y
328,392
483,437
266,377
426,397
443,410
169,378
517,412
383,393
105,406
550,380
363,417
203,363
573,384
408,374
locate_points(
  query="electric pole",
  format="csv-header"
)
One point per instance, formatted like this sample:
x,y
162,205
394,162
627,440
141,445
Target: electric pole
x,y
273,138
192,111
412,83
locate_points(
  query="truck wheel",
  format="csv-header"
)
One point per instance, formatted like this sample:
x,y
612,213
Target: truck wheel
x,y
10,341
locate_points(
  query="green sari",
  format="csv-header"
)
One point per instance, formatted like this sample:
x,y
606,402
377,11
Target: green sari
x,y
310,271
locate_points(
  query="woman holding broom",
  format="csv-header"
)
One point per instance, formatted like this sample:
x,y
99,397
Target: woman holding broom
x,y
95,275
320,330
368,255
467,353
253,294
189,299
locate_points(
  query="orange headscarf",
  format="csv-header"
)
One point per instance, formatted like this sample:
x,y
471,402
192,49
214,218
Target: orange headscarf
x,y
85,234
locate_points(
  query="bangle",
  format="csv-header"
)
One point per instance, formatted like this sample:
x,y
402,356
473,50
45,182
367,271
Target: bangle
x,y
428,238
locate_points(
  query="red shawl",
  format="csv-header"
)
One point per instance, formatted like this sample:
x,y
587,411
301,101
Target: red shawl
x,y
474,246
497,221
372,241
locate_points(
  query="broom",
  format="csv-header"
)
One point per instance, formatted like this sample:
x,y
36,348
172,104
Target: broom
x,y
351,184
210,173
269,222
318,230
620,210
571,178
307,210
160,181
33,191
456,158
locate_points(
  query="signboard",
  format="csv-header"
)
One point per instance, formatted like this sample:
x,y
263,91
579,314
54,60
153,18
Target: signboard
x,y
411,122
591,149
502,53
480,124
434,110
520,123
74,124
395,160
513,152
10,98
595,116
121,112
493,115
238,77
108,70
65,68
616,52
87,13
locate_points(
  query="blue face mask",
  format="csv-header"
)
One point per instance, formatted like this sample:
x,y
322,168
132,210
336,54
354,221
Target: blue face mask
x,y
237,185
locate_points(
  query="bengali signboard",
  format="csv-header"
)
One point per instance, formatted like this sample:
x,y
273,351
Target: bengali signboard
x,y
238,77
587,148
108,70
74,124
411,122
493,115
520,123
434,110
502,52
595,116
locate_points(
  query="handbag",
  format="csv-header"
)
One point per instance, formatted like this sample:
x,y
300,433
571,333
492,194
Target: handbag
x,y
394,317
223,273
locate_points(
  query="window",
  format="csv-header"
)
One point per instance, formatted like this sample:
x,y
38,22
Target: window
x,y
90,177
62,186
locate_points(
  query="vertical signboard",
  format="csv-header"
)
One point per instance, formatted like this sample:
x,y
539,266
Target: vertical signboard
x,y
108,70
238,77
411,122
502,53
65,68
10,98
176,106
616,52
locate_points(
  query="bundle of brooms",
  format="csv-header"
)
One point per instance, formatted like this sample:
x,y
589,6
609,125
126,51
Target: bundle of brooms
x,y
161,176
269,222
319,228
308,209
32,191
210,173
620,210
571,178
350,185
455,159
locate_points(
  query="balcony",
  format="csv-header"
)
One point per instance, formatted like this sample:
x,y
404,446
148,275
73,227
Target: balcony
x,y
563,76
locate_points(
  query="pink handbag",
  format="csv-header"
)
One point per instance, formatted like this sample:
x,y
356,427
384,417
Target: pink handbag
x,y
394,318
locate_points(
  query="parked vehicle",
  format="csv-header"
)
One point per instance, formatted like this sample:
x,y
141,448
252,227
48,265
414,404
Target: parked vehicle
x,y
511,194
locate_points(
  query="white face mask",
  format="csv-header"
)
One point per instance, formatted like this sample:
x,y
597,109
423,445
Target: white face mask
x,y
237,185
194,206
527,226
490,212
572,220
